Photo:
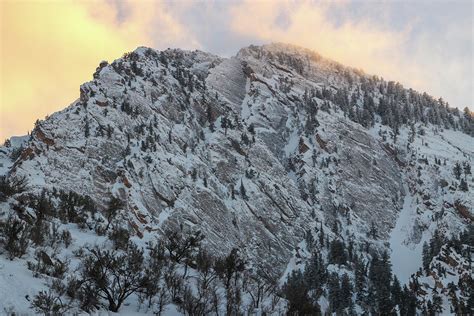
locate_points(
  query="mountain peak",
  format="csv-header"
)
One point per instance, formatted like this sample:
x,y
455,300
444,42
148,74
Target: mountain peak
x,y
265,163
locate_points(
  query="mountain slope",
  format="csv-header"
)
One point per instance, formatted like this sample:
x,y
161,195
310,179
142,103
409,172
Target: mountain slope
x,y
263,152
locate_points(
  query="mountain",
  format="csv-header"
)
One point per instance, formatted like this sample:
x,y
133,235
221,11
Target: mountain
x,y
272,181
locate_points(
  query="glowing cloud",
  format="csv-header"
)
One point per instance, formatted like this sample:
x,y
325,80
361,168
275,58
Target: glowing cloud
x,y
49,48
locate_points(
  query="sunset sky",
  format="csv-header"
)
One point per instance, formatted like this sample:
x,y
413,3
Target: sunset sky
x,y
48,48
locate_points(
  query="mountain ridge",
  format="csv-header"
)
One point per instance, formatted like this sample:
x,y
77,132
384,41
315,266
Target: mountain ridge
x,y
261,152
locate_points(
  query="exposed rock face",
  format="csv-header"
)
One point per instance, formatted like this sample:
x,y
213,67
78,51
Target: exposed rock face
x,y
226,146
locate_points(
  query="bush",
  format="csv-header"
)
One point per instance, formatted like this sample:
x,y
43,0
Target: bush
x,y
113,276
180,246
11,186
75,208
114,206
66,238
14,233
46,265
120,237
48,304
155,265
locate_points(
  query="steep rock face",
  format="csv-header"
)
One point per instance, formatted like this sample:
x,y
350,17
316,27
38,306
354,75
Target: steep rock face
x,y
232,147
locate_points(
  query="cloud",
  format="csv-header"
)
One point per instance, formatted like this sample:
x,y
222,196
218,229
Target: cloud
x,y
49,48
395,41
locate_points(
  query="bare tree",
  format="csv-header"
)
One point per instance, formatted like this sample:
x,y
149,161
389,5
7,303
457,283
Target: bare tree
x,y
113,275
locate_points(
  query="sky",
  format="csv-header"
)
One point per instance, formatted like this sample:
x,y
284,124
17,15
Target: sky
x,y
48,48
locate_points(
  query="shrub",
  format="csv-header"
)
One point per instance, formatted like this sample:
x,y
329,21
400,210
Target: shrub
x,y
66,238
48,303
11,185
180,246
120,237
14,233
113,276
48,266
114,205
155,265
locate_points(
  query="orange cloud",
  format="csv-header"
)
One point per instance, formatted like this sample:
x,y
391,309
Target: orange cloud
x,y
49,48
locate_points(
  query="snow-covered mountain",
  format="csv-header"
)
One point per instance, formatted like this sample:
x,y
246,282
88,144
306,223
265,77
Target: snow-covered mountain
x,y
276,154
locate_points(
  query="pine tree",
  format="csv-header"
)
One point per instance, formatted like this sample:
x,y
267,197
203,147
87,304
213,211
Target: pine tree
x,y
245,139
86,129
337,253
296,292
380,275
467,168
251,129
409,303
437,304
463,186
333,292
243,192
224,124
345,292
436,242
396,292
321,235
373,231
360,282
210,118
457,170
315,274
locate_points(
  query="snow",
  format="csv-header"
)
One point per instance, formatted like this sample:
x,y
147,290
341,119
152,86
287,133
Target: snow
x,y
405,257
292,144
17,287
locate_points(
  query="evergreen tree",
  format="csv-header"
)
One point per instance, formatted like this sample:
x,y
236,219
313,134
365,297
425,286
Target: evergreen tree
x,y
463,186
315,274
380,275
345,292
243,191
321,235
224,124
245,139
360,282
396,292
210,118
337,253
296,292
467,168
457,170
437,304
373,231
86,129
409,303
333,292
251,129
